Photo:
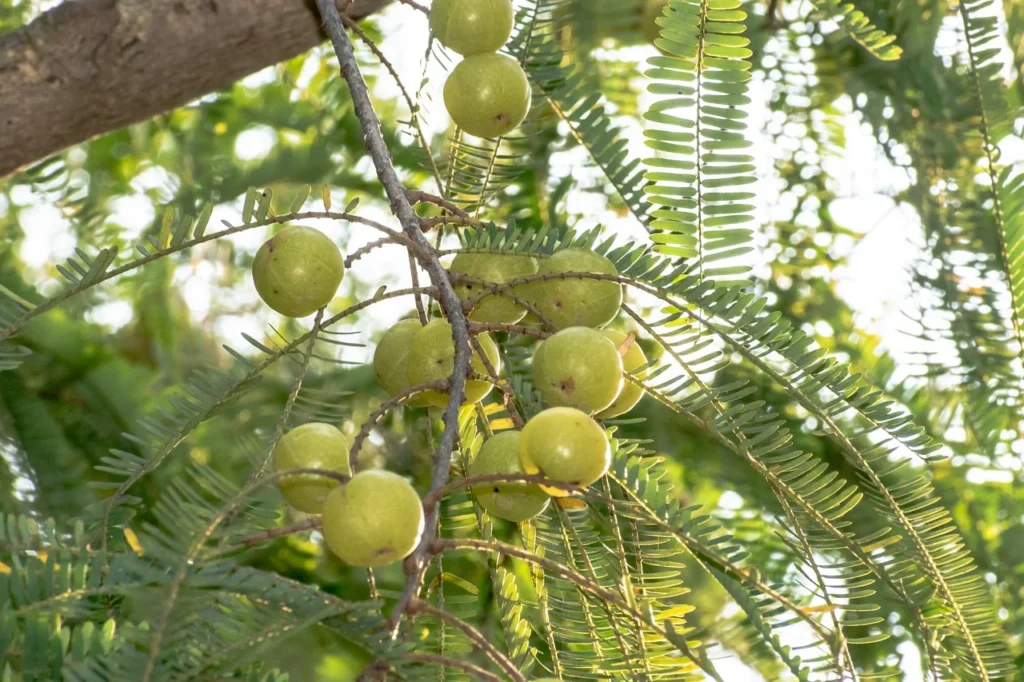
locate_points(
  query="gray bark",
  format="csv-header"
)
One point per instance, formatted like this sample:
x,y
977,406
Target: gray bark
x,y
87,67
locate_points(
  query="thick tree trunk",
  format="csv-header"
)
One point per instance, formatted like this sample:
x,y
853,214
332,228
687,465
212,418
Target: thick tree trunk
x,y
90,66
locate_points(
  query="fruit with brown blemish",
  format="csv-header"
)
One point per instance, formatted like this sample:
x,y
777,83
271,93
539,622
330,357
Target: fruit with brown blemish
x,y
495,268
433,358
298,271
575,301
512,501
311,446
633,358
374,519
487,95
391,361
564,445
471,26
578,367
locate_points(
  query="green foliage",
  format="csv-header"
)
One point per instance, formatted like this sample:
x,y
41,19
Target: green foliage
x,y
860,29
700,176
784,499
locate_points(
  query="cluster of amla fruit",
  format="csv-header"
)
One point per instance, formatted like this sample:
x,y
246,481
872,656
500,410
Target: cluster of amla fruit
x,y
487,94
376,517
579,370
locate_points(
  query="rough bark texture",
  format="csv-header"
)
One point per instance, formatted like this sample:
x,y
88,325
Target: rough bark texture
x,y
90,66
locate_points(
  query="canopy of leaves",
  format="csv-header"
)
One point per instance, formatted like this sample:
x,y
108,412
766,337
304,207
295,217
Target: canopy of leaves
x,y
816,212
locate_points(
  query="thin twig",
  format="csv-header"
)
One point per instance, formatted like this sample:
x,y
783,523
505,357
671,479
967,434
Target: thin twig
x,y
363,250
392,402
603,593
416,565
174,588
475,670
289,404
254,373
312,523
508,291
293,395
428,224
507,398
481,327
421,138
415,5
417,196
54,301
475,636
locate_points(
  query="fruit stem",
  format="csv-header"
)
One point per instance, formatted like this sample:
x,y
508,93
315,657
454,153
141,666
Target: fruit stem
x,y
416,564
385,407
415,5
312,523
507,398
417,196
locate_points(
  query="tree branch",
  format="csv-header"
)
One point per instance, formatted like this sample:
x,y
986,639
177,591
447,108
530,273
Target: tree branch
x,y
416,564
88,67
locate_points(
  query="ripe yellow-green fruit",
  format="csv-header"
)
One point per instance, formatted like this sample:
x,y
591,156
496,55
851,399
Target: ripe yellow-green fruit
x,y
471,26
576,302
311,446
634,358
578,367
374,519
564,445
433,358
487,95
298,271
391,360
497,268
510,501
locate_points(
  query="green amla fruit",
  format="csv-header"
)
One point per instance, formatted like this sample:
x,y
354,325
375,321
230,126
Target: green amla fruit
x,y
311,446
565,445
374,519
576,302
391,360
497,268
510,501
633,359
433,358
487,95
471,26
298,271
578,367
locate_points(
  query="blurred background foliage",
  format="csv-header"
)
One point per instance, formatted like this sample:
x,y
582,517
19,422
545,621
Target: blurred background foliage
x,y
843,134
